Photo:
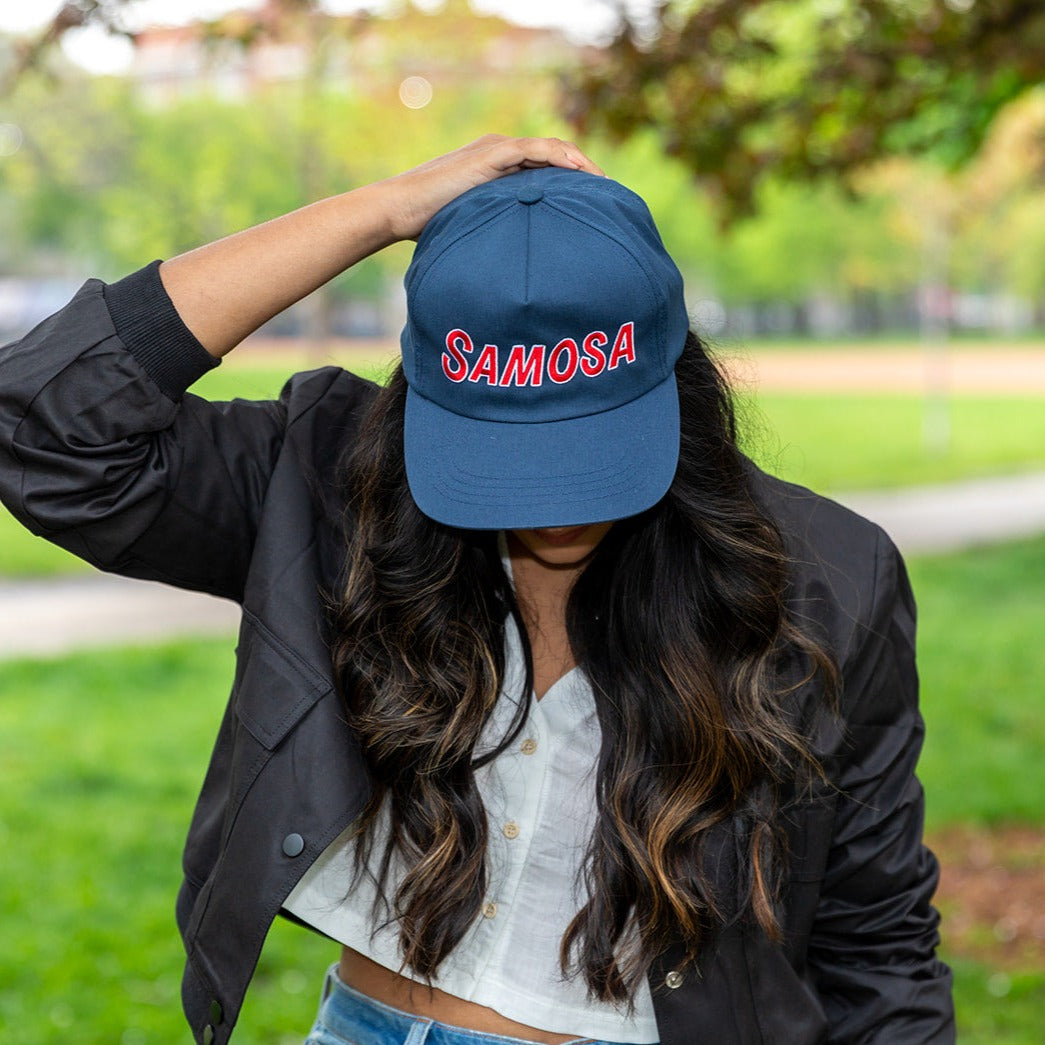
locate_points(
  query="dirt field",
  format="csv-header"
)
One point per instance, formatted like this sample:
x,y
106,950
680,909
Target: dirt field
x,y
992,894
997,371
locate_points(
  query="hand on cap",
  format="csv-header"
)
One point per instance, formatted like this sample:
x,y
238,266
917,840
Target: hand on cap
x,y
415,196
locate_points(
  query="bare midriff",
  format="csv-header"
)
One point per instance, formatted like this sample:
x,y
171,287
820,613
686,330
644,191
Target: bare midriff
x,y
400,992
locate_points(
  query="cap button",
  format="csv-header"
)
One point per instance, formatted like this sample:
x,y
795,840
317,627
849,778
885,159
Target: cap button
x,y
529,194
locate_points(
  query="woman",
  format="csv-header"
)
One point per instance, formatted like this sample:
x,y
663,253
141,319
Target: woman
x,y
563,719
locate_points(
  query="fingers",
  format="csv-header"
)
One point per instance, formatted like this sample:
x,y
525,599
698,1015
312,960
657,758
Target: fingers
x,y
512,154
413,197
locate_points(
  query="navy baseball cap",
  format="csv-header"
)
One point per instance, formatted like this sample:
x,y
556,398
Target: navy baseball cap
x,y
544,319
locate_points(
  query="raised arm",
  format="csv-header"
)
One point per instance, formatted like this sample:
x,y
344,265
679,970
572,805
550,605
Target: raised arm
x,y
227,289
101,450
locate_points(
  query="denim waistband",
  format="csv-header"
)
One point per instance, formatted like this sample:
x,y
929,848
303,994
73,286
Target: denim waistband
x,y
347,1017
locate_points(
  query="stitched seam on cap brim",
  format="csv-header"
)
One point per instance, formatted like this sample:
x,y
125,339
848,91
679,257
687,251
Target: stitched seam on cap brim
x,y
597,475
600,492
545,421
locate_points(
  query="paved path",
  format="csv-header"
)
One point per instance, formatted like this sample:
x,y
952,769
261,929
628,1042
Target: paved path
x,y
45,617
950,516
50,617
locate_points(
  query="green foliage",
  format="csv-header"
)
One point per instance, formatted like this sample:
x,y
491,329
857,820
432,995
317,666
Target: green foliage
x,y
802,89
804,239
198,171
107,182
78,140
107,177
994,1007
998,219
809,239
981,661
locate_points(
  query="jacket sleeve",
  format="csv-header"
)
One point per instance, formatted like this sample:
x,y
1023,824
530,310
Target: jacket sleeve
x,y
103,453
872,947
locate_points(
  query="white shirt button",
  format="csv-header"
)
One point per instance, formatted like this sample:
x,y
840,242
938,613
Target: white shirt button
x,y
511,829
528,746
489,909
673,979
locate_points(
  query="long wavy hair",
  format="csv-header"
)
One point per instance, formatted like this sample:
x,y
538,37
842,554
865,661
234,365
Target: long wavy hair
x,y
681,625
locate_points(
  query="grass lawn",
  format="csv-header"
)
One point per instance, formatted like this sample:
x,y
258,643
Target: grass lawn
x,y
855,442
828,442
101,755
982,661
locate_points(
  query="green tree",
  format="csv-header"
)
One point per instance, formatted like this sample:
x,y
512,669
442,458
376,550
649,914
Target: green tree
x,y
741,90
76,136
1000,237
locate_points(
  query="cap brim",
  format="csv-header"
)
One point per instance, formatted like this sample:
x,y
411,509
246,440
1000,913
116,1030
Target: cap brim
x,y
489,475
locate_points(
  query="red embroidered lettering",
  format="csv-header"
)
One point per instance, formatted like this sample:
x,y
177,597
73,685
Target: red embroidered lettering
x,y
623,346
485,366
594,361
558,374
455,366
525,366
518,371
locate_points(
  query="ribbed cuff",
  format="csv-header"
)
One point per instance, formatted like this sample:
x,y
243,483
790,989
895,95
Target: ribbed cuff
x,y
149,325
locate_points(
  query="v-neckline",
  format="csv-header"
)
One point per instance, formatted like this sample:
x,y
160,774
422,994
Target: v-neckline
x,y
555,685
506,562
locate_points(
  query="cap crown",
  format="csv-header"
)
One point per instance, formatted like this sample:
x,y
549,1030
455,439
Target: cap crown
x,y
541,296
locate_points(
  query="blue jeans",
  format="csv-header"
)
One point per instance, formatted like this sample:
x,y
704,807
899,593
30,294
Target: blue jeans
x,y
347,1017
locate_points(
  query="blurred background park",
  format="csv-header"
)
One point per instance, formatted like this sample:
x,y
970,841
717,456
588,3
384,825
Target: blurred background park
x,y
855,192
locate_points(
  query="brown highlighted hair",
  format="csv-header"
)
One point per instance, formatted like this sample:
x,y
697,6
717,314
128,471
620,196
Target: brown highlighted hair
x,y
681,625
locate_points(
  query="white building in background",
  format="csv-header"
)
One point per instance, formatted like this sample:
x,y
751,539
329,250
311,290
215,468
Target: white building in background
x,y
242,52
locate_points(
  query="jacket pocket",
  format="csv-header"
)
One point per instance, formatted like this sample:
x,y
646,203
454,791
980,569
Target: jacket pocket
x,y
274,687
784,1002
810,827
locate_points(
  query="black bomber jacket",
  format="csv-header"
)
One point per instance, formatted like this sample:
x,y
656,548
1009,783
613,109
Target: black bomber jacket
x,y
103,452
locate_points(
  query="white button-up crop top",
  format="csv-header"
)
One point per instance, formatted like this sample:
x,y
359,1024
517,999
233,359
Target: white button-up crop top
x,y
539,796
